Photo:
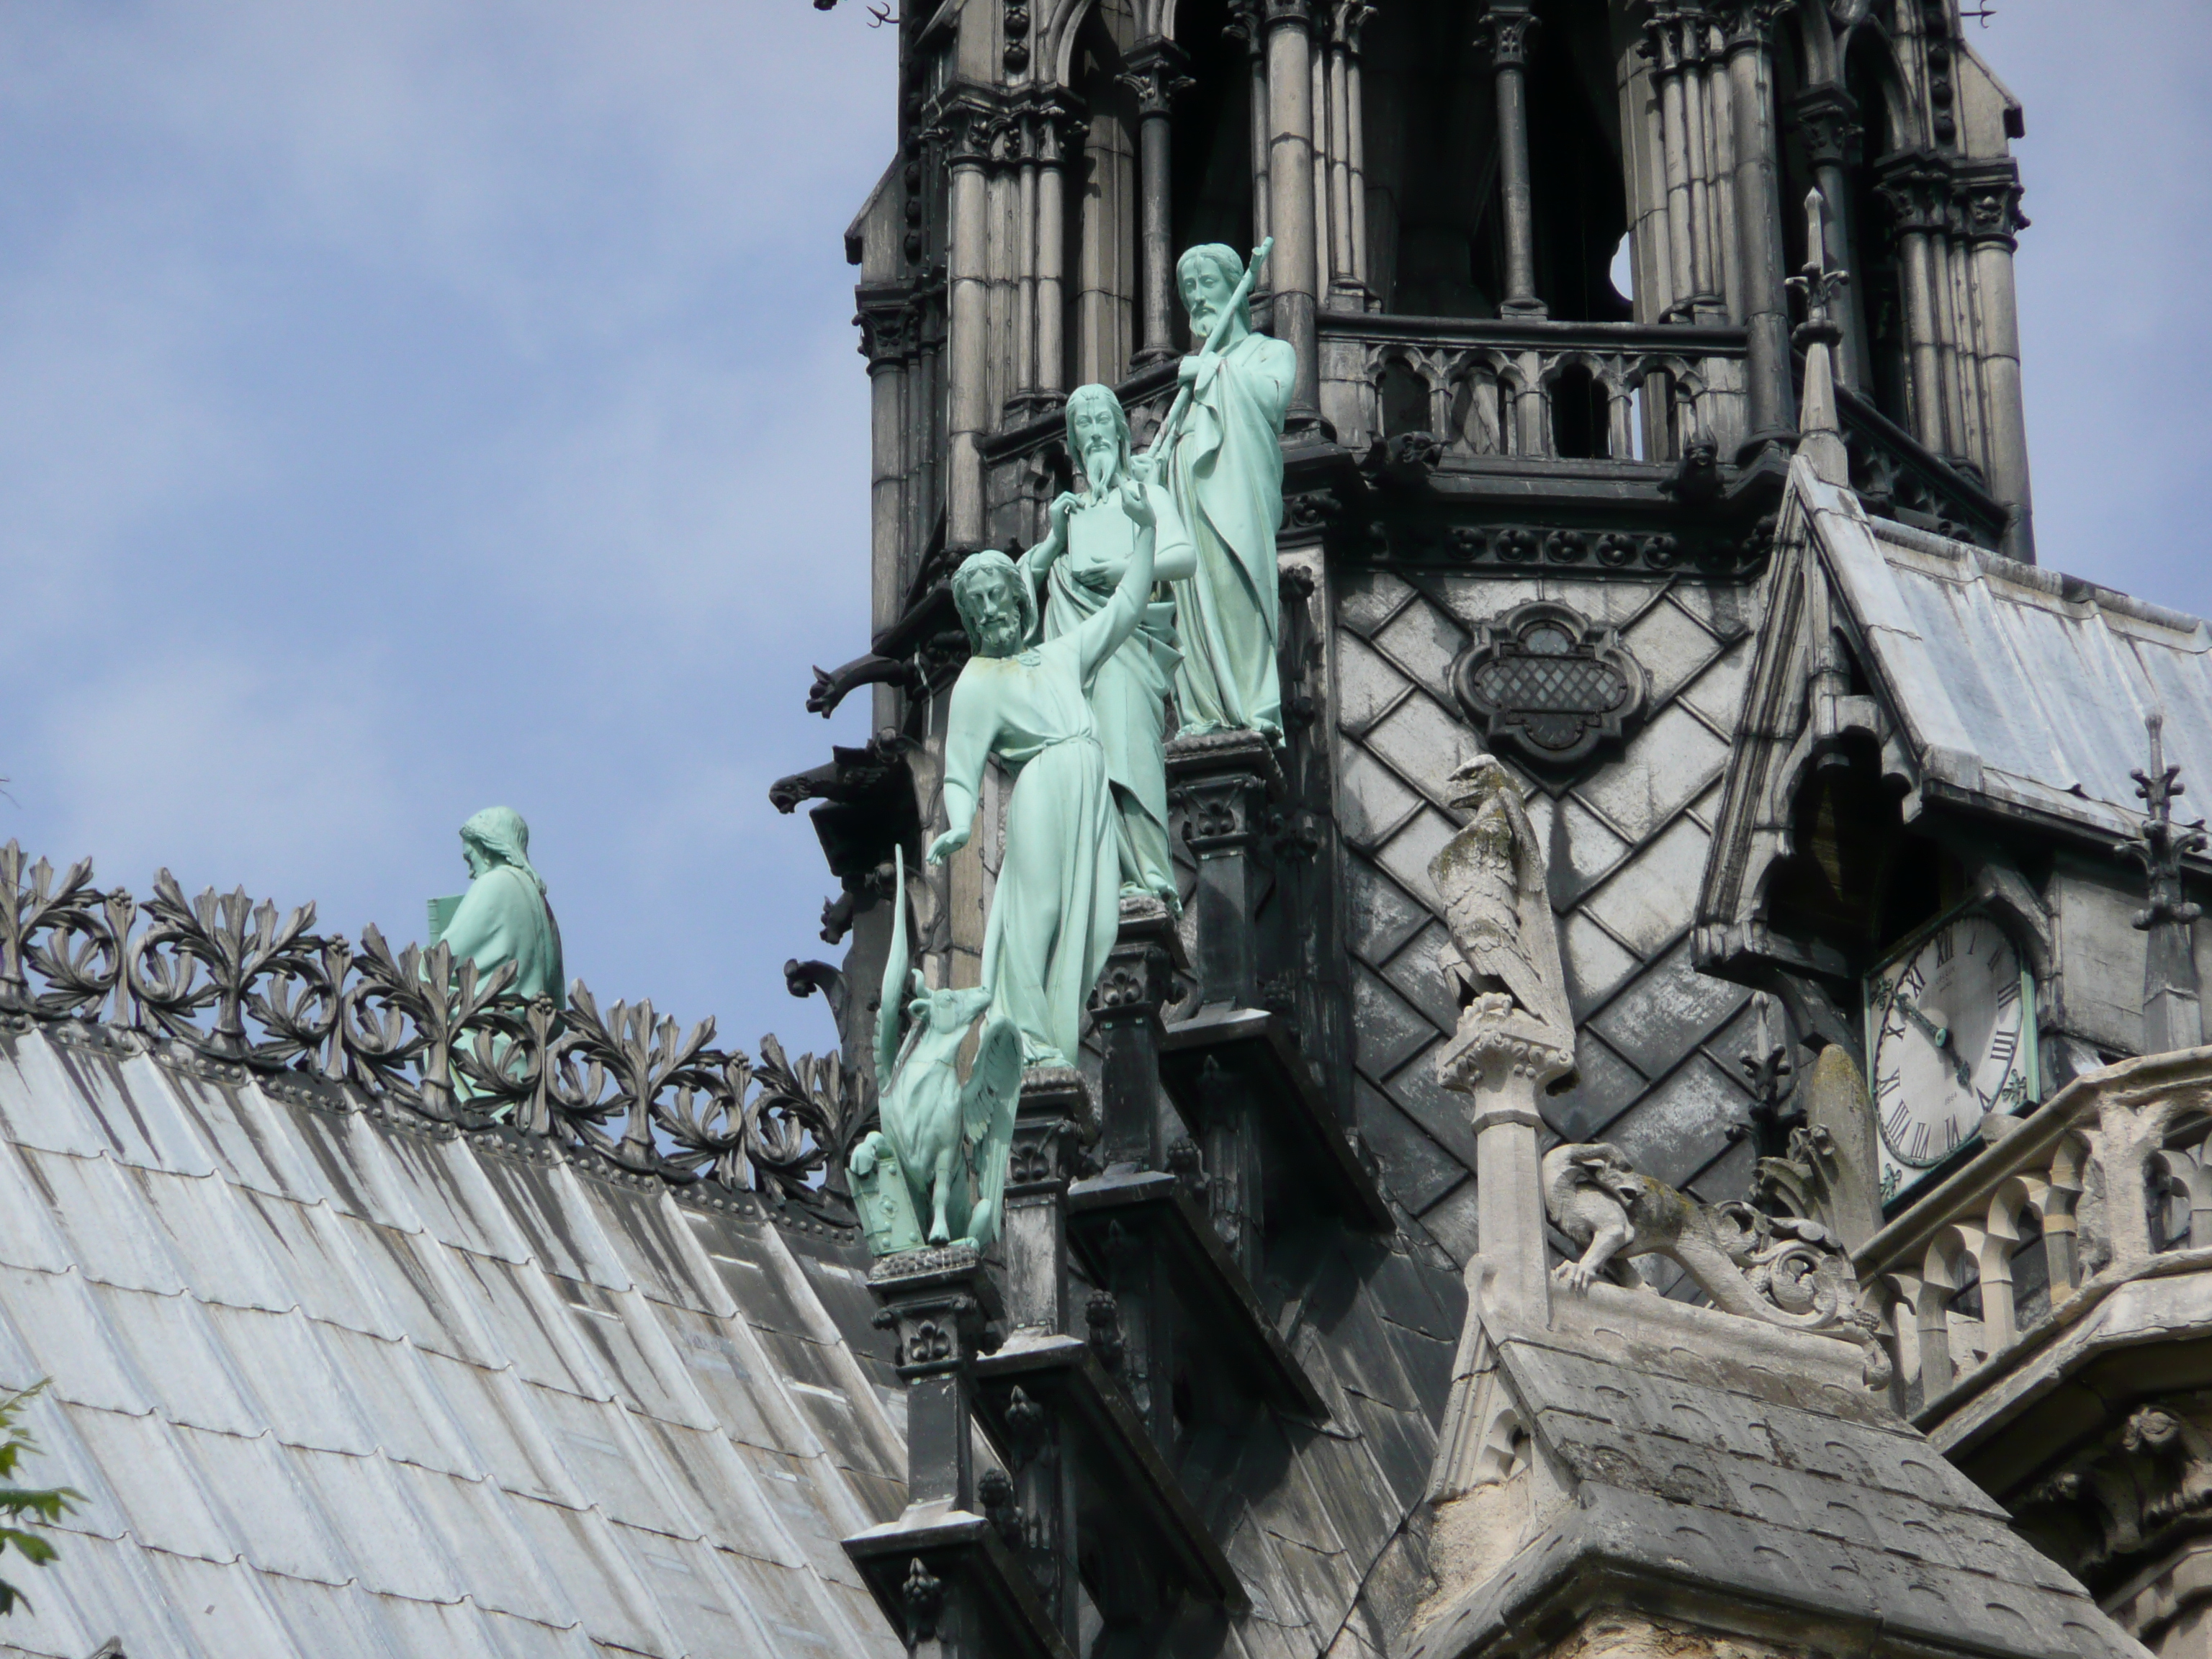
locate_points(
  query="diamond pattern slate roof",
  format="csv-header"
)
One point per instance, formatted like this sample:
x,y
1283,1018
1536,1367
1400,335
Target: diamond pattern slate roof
x,y
1728,1475
337,1385
1627,840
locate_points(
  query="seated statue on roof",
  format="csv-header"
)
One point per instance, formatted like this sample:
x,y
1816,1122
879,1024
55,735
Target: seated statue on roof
x,y
504,916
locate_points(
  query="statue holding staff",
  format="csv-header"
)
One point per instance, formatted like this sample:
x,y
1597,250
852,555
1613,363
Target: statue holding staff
x,y
1056,909
1222,454
1079,565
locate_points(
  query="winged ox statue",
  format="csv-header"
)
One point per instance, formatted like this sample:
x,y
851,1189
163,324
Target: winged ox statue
x,y
943,1149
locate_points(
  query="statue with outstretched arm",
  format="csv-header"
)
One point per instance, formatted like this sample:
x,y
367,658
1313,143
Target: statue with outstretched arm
x,y
1057,907
1079,568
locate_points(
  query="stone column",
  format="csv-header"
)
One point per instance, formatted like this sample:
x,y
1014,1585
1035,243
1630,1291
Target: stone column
x,y
1990,198
1827,122
1355,115
1293,268
1915,188
1758,225
1247,27
886,316
1156,74
1510,28
968,130
1667,35
1059,133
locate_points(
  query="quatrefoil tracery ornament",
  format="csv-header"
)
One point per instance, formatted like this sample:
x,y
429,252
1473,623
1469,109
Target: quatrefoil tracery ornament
x,y
1549,681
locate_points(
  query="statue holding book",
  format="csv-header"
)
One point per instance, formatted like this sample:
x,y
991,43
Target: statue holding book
x,y
504,916
1077,568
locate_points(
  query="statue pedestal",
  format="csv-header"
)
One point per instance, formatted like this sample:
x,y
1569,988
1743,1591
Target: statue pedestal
x,y
1125,1010
1219,788
1055,1120
943,1574
1504,1064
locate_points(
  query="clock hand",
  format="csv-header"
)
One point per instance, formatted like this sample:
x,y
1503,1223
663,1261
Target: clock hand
x,y
1940,1037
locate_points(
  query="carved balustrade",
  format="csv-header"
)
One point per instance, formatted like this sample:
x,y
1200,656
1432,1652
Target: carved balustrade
x,y
1514,387
2107,1183
228,987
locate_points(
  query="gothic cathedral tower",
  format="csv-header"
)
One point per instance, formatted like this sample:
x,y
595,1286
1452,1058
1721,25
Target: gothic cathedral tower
x,y
1536,258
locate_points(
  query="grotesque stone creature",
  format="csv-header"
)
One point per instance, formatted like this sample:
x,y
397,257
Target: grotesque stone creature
x,y
942,1148
1779,1269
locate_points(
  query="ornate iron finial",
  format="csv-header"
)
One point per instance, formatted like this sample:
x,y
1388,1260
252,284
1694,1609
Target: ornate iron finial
x,y
2172,1017
1773,1113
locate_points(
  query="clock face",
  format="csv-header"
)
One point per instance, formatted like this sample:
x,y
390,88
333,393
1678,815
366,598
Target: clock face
x,y
1952,1039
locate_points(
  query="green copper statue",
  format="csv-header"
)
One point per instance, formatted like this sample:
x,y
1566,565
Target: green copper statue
x,y
504,916
1057,907
943,1149
1225,468
1079,564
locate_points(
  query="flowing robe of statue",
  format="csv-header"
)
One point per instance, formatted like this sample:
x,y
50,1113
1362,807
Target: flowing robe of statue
x,y
1129,693
1057,907
504,916
1226,478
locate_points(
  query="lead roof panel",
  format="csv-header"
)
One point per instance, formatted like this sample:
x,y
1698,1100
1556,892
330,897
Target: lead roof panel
x,y
409,1394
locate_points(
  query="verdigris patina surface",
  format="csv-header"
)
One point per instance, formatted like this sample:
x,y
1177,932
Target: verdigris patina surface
x,y
1057,905
1224,465
1079,566
942,1151
504,916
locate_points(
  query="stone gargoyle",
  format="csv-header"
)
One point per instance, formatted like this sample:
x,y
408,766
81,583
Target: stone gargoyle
x,y
1779,1269
942,1148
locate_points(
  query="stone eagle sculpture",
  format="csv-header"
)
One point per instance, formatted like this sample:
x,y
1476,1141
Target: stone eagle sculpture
x,y
942,1148
1503,958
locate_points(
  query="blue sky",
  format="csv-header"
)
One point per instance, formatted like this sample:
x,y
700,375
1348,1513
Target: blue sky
x,y
410,406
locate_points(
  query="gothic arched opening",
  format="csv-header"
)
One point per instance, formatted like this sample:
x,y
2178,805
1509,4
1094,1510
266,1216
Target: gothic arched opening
x,y
1575,175
1211,152
1877,288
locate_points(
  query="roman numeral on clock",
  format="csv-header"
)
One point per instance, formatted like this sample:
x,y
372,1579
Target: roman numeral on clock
x,y
1945,948
2003,1046
2008,993
1898,1121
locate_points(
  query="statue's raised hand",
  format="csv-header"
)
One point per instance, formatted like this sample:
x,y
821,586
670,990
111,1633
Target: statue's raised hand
x,y
1137,503
947,844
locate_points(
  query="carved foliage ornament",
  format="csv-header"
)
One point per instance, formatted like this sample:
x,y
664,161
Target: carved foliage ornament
x,y
1549,681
